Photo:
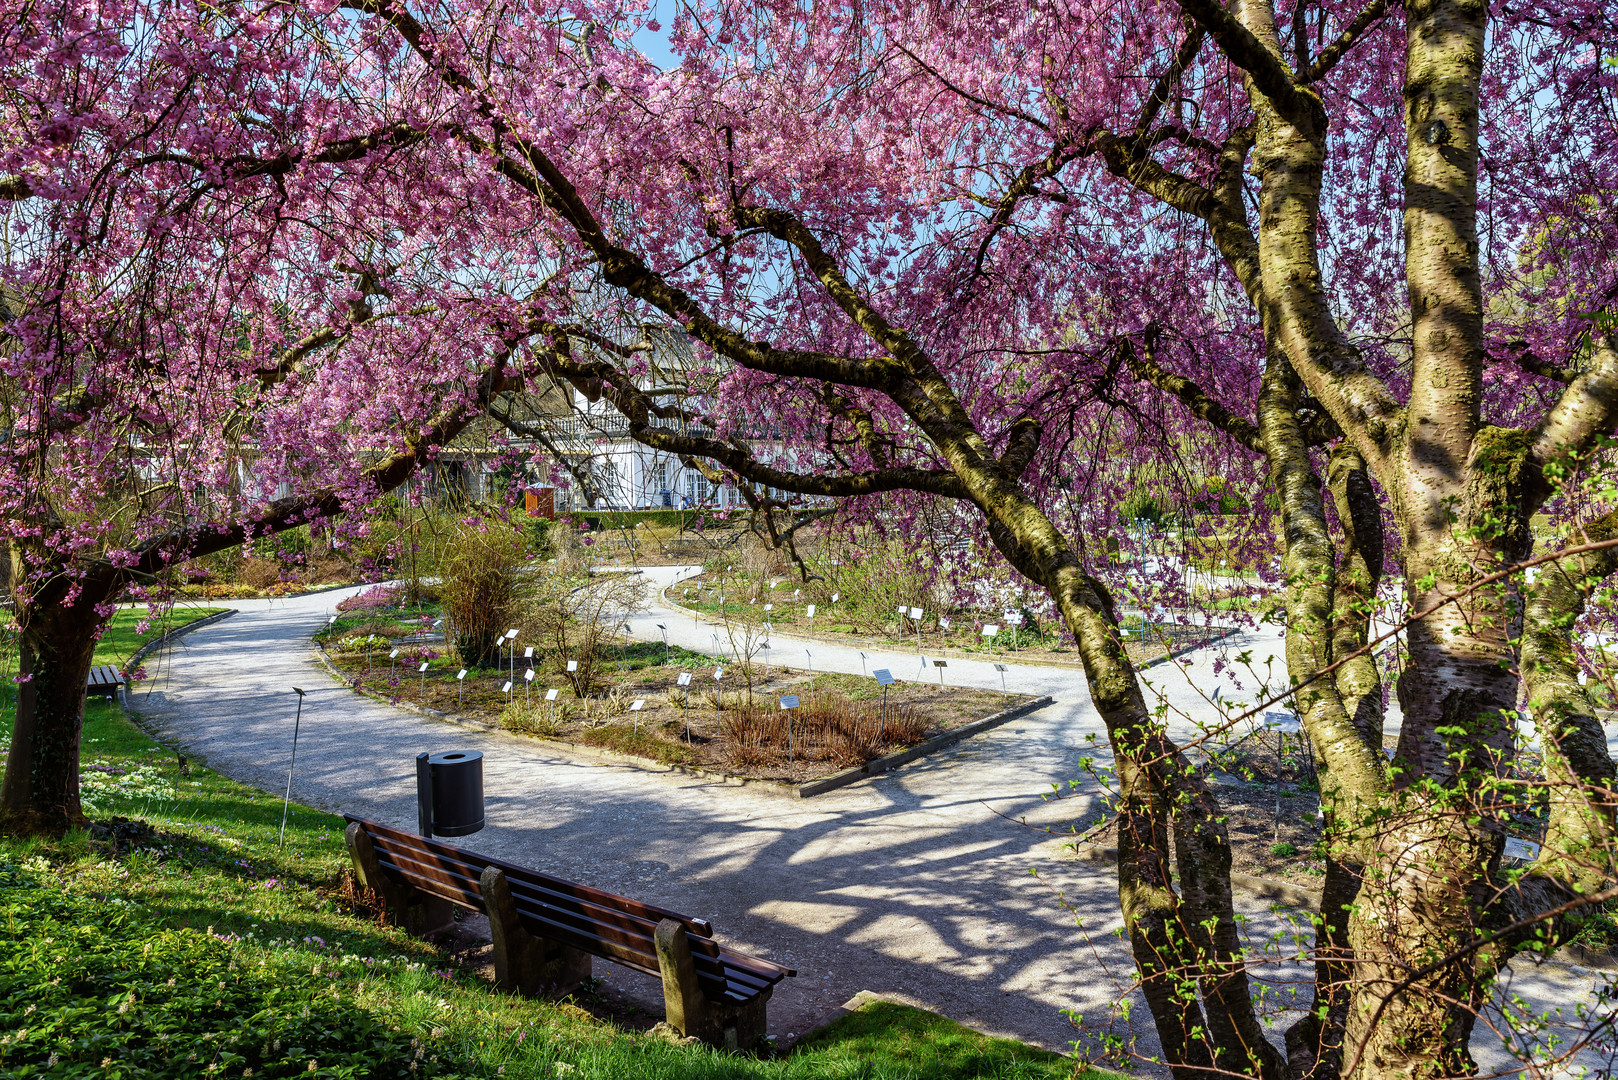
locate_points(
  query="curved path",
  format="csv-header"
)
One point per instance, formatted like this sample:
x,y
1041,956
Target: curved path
x,y
914,883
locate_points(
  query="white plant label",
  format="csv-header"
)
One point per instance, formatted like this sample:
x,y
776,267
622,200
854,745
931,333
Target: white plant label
x,y
550,695
573,665
943,621
684,679
394,655
528,676
506,689
789,701
811,610
637,705
836,597
423,666
512,634
1282,721
769,607
528,653
902,610
1521,849
461,674
991,629
883,676
718,673
915,613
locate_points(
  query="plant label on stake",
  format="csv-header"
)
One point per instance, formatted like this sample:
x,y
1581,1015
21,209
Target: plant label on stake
x,y
788,703
862,662
940,665
460,687
884,679
422,671
1282,724
1001,668
635,707
836,597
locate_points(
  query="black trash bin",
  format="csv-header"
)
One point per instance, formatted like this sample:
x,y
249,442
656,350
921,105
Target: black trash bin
x,y
449,792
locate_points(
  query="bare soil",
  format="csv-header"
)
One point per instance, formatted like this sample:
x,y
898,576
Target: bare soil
x,y
1272,826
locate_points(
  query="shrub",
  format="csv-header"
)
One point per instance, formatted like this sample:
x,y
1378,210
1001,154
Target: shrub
x,y
828,727
530,717
1141,505
482,586
577,616
1283,850
376,598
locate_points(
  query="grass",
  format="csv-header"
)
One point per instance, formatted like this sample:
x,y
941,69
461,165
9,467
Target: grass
x,y
206,948
120,640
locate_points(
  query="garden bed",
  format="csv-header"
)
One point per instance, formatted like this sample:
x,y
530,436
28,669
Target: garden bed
x,y
840,723
743,602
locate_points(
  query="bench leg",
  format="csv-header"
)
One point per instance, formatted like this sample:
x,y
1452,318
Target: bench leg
x,y
419,913
525,964
690,1012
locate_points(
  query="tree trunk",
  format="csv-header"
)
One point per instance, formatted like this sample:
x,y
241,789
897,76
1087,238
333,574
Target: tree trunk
x,y
40,794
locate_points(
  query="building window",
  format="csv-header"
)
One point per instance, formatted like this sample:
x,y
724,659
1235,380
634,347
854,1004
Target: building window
x,y
697,487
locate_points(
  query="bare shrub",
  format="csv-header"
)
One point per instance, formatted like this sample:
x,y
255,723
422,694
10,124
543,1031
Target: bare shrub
x,y
259,573
575,617
827,727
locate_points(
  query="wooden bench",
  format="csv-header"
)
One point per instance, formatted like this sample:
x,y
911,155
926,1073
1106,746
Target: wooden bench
x,y
546,931
105,680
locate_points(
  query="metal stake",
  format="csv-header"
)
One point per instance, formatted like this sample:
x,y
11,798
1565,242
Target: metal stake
x,y
286,803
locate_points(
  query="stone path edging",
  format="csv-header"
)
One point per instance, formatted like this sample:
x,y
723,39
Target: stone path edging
x,y
873,768
878,766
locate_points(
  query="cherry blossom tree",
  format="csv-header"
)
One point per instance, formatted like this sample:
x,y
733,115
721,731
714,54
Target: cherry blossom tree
x,y
205,341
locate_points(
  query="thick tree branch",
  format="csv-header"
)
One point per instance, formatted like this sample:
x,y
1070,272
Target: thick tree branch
x,y
1298,105
1585,411
1192,396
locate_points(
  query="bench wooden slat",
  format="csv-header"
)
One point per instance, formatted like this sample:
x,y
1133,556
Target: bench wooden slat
x,y
463,874
578,916
452,881
651,912
103,678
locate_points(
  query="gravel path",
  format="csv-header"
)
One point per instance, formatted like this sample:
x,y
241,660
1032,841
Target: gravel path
x,y
914,883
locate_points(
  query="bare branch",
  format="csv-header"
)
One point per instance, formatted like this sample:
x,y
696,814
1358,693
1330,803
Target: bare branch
x,y
1356,29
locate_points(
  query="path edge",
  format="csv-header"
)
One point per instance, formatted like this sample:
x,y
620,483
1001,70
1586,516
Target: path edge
x,y
170,637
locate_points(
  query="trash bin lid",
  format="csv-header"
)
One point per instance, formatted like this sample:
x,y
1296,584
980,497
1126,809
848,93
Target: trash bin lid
x,y
454,757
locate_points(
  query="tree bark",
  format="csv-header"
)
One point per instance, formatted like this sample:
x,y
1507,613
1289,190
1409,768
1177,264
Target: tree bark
x,y
40,794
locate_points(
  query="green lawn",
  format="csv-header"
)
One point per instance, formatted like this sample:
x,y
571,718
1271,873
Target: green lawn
x,y
120,640
204,948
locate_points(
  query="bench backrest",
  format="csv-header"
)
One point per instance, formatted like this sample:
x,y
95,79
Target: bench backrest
x,y
592,920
